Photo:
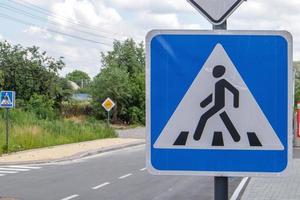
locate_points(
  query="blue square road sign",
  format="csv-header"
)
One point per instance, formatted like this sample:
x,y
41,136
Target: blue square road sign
x,y
7,99
219,103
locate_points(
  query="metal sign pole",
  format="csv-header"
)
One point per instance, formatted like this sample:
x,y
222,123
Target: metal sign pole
x,y
7,129
107,118
221,183
221,188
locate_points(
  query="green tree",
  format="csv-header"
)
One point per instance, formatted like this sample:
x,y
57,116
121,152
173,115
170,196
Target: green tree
x,y
81,78
297,81
29,71
112,82
122,78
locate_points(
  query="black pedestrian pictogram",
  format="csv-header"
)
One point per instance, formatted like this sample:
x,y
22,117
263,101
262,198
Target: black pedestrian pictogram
x,y
181,139
219,104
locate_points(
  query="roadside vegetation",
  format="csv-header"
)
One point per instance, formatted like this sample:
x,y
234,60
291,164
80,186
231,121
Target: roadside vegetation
x,y
27,131
297,81
46,112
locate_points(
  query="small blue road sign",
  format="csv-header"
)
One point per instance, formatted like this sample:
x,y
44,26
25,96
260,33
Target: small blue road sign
x,y
7,99
219,103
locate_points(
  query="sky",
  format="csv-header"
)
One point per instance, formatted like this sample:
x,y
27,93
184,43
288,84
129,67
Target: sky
x,y
79,30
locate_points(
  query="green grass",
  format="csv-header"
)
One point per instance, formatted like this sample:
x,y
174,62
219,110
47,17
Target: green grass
x,y
28,132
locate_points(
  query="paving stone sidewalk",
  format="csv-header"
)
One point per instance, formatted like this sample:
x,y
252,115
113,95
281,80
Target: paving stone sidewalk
x,y
281,188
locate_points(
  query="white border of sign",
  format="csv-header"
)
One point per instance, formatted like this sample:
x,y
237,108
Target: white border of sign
x,y
13,100
286,35
212,20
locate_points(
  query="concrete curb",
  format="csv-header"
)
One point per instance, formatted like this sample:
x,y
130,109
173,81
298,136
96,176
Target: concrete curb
x,y
239,191
78,155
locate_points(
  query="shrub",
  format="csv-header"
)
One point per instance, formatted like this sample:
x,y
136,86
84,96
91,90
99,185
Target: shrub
x,y
74,108
41,106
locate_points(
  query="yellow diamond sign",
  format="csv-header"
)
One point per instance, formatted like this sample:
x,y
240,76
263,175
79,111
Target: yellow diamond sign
x,y
108,104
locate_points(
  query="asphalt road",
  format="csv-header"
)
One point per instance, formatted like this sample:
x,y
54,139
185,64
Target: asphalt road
x,y
117,175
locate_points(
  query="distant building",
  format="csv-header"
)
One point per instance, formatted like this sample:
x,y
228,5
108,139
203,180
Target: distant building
x,y
73,85
81,97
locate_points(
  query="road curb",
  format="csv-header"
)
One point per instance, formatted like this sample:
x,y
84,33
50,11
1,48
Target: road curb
x,y
238,193
78,155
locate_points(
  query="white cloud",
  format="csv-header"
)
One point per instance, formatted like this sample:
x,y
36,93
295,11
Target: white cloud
x,y
59,38
120,18
150,21
38,31
85,11
155,6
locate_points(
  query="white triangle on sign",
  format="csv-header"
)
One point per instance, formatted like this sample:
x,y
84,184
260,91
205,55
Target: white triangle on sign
x,y
6,100
216,10
246,118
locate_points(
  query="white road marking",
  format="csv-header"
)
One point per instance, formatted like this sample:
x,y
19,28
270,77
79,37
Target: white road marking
x,y
100,186
8,172
24,167
2,174
71,197
237,191
14,169
125,176
143,169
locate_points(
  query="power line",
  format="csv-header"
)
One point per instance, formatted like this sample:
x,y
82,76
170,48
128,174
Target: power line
x,y
53,31
65,19
28,14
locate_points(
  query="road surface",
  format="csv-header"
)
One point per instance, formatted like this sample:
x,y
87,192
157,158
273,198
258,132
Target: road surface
x,y
116,175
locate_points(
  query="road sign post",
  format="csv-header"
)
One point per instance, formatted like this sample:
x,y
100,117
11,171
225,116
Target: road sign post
x,y
7,129
221,183
108,104
207,108
7,101
108,118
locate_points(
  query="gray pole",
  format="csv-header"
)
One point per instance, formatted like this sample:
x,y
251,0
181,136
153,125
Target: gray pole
x,y
7,124
221,188
107,118
221,183
222,26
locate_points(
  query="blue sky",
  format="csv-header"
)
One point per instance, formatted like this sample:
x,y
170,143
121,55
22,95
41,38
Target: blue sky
x,y
106,20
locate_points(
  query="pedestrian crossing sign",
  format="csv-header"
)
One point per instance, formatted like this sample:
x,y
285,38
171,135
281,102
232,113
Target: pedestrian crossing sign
x,y
7,99
219,103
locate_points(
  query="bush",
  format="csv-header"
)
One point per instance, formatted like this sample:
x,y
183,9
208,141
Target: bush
x,y
74,108
28,132
135,115
41,106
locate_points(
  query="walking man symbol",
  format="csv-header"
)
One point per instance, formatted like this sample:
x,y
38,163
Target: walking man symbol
x,y
219,104
218,111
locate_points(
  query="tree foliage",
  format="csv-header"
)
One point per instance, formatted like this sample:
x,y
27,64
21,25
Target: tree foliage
x,y
29,71
79,77
297,81
122,78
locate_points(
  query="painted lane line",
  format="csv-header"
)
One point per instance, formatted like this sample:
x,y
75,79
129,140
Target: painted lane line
x,y
143,169
71,197
125,176
238,190
8,172
100,186
24,167
15,169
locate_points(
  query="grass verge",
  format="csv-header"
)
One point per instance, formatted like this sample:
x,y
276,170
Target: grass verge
x,y
29,132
